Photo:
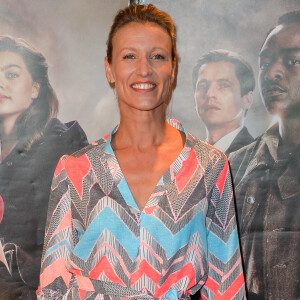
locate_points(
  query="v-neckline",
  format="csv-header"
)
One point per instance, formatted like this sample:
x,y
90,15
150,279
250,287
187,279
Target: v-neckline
x,y
159,188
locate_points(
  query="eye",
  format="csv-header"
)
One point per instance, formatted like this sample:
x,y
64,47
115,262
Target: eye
x,y
128,56
158,56
11,75
202,86
264,62
263,65
224,85
293,62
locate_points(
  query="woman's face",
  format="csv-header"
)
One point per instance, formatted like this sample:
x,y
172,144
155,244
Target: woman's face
x,y
142,68
17,88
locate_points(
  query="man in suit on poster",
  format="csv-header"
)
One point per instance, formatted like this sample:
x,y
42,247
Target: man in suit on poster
x,y
267,173
223,83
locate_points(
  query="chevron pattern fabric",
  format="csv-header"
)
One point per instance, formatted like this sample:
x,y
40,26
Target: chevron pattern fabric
x,y
100,245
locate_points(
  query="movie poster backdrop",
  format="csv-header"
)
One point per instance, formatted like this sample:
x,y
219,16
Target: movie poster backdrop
x,y
72,36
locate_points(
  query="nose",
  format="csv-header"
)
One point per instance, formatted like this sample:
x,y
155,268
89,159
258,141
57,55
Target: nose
x,y
2,80
144,67
275,71
210,91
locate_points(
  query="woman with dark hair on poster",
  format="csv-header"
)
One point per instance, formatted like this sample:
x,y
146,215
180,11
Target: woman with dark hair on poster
x,y
146,212
32,141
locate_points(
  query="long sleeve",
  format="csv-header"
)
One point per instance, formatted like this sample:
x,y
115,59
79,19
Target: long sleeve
x,y
225,276
55,278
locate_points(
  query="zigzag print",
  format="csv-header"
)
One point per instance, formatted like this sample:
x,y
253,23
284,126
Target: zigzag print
x,y
99,245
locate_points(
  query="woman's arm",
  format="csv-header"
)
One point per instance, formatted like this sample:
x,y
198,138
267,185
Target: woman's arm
x,y
55,278
225,277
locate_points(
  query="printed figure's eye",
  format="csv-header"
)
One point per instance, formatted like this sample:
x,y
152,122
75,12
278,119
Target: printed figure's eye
x,y
293,62
224,85
202,86
263,65
264,62
11,75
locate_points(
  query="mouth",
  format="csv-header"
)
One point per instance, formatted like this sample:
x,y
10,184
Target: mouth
x,y
273,90
3,97
211,107
143,86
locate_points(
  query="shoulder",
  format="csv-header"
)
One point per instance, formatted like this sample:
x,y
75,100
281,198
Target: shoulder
x,y
82,158
243,138
206,153
245,133
68,130
235,156
65,138
240,159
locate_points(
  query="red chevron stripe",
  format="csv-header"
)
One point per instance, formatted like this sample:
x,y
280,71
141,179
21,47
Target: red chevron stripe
x,y
77,169
81,293
106,245
191,249
150,209
65,222
145,269
106,137
222,178
104,266
186,171
186,271
233,289
55,270
60,166
212,285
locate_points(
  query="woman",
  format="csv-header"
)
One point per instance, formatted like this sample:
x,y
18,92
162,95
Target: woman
x,y
32,140
147,211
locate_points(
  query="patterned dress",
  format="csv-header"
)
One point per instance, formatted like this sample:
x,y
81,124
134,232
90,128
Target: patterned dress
x,y
100,245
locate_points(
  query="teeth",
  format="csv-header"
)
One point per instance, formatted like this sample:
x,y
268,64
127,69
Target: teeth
x,y
143,86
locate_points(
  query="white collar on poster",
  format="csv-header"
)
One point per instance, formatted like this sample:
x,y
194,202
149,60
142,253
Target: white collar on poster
x,y
224,142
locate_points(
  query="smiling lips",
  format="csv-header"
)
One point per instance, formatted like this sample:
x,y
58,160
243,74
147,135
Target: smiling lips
x,y
143,86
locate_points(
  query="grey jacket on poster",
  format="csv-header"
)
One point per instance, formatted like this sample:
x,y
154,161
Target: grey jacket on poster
x,y
267,190
25,181
242,139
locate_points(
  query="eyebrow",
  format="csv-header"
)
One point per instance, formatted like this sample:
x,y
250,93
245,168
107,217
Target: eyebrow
x,y
218,80
136,49
127,48
266,52
224,79
288,50
10,66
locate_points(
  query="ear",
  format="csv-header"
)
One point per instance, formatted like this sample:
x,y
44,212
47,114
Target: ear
x,y
35,90
247,100
174,74
108,72
174,70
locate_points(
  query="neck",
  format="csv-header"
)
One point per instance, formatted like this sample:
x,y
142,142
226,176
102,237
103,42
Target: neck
x,y
140,131
289,129
215,133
